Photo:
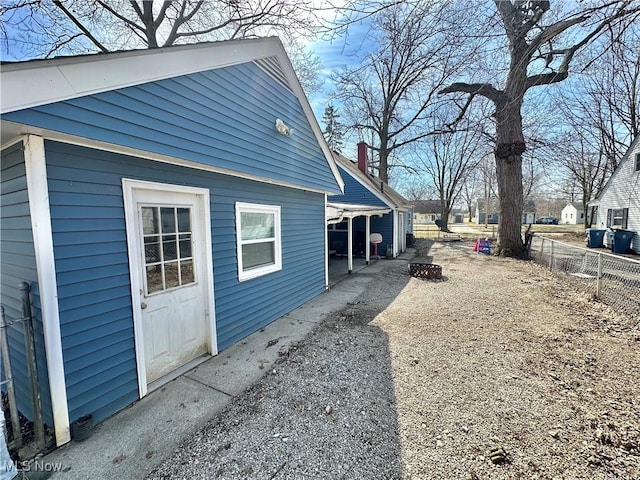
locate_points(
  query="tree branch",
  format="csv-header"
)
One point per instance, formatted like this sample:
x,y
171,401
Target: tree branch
x,y
568,53
116,14
545,79
483,89
552,31
82,28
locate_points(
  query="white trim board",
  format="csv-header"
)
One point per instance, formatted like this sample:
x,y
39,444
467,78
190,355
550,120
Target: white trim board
x,y
135,269
276,266
41,82
38,191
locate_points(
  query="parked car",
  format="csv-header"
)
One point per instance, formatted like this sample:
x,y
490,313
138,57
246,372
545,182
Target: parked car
x,y
547,220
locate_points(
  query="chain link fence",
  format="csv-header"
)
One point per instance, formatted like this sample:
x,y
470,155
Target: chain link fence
x,y
613,279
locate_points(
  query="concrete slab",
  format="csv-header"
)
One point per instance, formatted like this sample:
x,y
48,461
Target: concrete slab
x,y
136,439
244,363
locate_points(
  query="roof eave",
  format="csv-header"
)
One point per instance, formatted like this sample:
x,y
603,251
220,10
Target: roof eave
x,y
34,83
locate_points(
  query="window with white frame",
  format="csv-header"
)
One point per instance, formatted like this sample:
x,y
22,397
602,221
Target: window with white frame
x,y
617,219
258,238
637,162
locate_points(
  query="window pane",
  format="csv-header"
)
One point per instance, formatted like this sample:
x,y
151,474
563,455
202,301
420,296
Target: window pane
x,y
257,225
184,220
150,220
168,220
171,274
186,272
169,247
185,246
258,254
154,278
152,249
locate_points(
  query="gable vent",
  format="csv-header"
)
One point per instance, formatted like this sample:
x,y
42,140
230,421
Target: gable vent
x,y
272,68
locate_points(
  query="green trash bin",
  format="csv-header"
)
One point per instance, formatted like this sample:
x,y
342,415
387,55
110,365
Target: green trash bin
x,y
595,238
621,241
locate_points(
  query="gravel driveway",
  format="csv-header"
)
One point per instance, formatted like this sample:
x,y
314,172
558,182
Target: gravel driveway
x,y
499,371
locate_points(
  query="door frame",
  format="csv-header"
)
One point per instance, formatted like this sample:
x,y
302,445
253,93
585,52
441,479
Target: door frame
x,y
135,268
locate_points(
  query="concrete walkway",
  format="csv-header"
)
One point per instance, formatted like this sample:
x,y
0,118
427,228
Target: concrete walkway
x,y
134,441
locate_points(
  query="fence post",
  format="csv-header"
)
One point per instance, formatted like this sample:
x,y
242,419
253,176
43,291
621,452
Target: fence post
x,y
11,393
32,368
551,257
598,280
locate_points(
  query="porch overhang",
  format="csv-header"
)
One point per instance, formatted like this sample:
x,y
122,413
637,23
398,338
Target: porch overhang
x,y
337,212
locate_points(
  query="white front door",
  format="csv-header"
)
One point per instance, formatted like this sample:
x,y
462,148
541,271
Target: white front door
x,y
170,235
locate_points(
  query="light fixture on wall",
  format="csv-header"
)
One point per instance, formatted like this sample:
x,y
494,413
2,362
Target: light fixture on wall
x,y
282,128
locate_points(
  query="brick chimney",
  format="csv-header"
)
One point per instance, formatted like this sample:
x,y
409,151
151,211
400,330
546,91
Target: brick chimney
x,y
363,160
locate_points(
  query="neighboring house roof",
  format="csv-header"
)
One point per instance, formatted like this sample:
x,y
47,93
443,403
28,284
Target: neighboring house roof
x,y
575,205
528,206
625,158
426,206
494,205
36,83
381,189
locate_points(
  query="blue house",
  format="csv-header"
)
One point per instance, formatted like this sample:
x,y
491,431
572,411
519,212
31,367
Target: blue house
x,y
368,206
163,204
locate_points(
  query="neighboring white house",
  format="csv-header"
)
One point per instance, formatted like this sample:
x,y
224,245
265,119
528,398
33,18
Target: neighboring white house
x,y
619,202
572,214
426,211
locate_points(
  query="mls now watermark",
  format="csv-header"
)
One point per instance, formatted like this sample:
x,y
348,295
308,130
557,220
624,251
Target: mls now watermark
x,y
34,466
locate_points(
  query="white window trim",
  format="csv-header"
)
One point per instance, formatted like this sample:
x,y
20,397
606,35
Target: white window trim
x,y
264,270
620,218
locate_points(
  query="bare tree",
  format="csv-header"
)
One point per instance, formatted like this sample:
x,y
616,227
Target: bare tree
x,y
588,169
470,191
541,46
603,104
449,159
394,88
44,29
37,29
415,189
602,112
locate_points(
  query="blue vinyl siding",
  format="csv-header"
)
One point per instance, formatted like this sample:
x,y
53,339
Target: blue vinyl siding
x,y
224,118
355,192
92,265
493,218
18,265
384,226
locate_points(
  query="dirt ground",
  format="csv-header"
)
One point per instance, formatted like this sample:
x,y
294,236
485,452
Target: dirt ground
x,y
498,371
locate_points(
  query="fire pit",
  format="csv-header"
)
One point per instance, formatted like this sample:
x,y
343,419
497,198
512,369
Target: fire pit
x,y
421,269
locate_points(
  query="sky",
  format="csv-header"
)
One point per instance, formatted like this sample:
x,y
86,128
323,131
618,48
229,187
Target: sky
x,y
334,54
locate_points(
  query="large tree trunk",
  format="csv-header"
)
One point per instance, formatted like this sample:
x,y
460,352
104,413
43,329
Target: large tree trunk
x,y
508,154
383,166
445,211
